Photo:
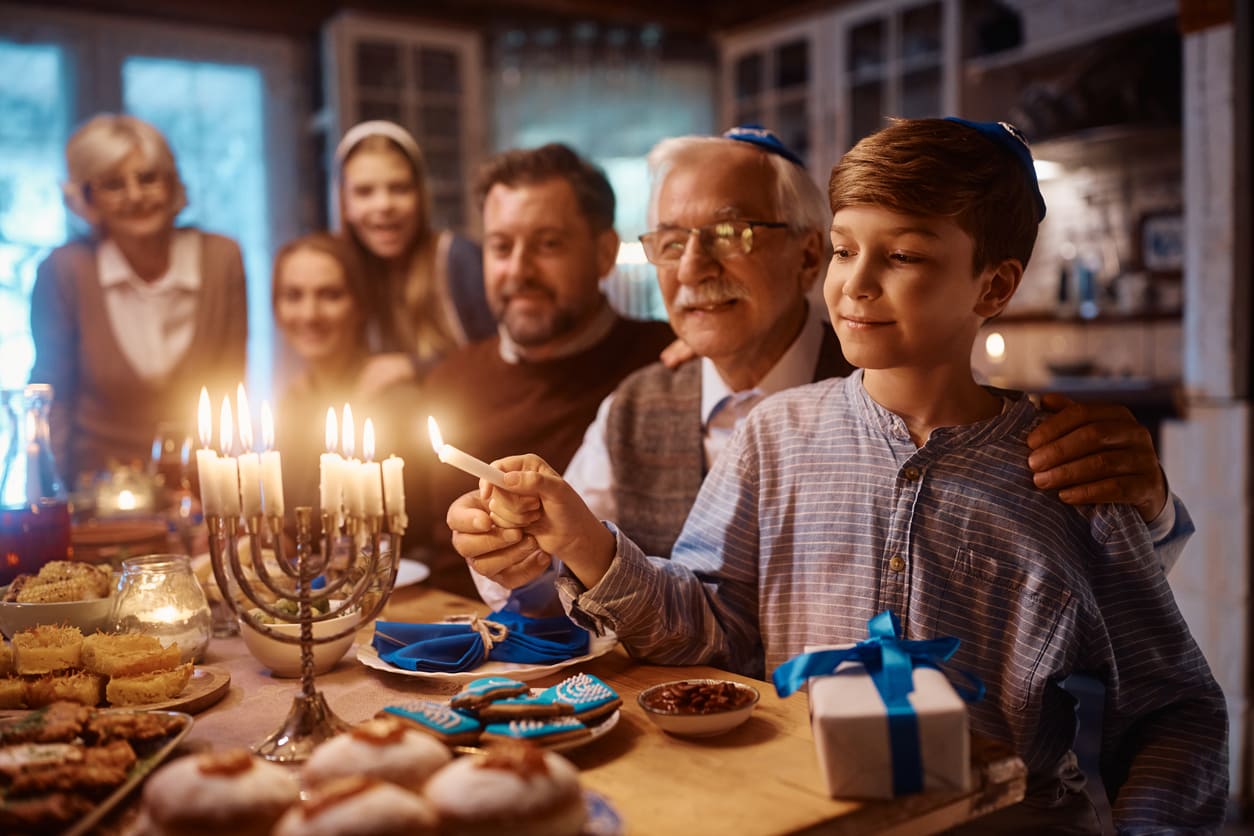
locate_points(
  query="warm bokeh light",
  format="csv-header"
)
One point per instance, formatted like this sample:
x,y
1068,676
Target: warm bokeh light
x,y
995,347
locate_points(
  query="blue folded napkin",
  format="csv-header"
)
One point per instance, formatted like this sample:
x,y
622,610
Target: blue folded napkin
x,y
499,637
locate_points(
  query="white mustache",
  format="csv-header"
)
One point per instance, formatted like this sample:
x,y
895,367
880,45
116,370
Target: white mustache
x,y
711,292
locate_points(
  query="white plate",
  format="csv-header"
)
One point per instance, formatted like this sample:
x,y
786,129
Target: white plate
x,y
597,646
410,572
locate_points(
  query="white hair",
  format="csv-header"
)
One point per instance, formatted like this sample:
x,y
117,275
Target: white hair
x,y
799,201
101,144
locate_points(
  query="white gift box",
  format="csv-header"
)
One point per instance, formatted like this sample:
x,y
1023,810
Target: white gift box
x,y
850,725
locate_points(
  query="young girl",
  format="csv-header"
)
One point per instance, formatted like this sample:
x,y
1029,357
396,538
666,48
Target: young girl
x,y
425,286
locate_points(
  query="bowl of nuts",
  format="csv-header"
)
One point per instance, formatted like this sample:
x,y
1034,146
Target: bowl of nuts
x,y
698,707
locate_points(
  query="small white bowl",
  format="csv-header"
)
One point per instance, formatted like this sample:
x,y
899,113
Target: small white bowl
x,y
88,616
697,722
283,659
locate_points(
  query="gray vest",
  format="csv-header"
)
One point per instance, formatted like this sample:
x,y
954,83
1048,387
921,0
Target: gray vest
x,y
653,435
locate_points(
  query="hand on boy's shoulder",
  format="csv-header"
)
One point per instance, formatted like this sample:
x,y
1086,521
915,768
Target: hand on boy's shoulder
x,y
1093,453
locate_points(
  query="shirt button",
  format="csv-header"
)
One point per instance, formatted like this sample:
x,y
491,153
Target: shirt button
x,y
911,473
897,563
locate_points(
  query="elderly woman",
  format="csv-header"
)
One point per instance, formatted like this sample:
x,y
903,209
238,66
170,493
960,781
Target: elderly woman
x,y
425,285
320,306
130,322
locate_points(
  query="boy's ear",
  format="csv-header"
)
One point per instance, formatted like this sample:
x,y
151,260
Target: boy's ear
x,y
999,285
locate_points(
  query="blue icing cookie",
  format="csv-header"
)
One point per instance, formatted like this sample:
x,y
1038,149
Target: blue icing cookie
x,y
530,729
530,705
436,718
583,692
487,689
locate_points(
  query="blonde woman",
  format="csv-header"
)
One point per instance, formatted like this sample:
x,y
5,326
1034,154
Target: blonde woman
x,y
426,286
320,308
132,320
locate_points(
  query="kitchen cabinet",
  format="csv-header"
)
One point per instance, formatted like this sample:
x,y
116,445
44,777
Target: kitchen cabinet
x,y
424,78
824,81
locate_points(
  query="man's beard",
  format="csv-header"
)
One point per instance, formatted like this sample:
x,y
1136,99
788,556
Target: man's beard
x,y
533,329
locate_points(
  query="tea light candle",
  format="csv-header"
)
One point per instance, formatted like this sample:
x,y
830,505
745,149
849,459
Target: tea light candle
x,y
228,473
206,458
371,479
249,463
394,484
462,461
271,466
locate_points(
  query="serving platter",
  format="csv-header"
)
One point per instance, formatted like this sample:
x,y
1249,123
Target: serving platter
x,y
208,685
597,646
150,755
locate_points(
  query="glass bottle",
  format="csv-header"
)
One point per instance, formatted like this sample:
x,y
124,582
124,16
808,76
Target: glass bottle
x,y
158,595
34,515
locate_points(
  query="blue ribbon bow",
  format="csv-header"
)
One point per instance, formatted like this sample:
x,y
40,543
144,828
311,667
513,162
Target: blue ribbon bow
x,y
499,637
890,661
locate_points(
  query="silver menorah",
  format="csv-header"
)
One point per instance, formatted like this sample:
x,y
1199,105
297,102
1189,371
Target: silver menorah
x,y
370,573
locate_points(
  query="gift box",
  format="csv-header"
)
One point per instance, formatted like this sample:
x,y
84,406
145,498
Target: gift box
x,y
850,723
886,721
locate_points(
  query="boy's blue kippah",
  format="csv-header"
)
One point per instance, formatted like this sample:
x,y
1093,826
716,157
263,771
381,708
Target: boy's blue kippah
x,y
764,139
1011,138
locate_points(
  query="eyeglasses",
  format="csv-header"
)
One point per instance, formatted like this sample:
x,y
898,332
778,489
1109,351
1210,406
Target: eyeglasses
x,y
720,241
114,187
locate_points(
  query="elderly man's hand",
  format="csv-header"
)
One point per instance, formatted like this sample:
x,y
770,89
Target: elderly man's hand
x,y
564,527
505,555
1093,453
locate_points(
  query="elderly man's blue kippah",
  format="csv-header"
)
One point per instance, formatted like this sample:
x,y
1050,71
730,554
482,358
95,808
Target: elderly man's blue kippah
x,y
1011,138
764,139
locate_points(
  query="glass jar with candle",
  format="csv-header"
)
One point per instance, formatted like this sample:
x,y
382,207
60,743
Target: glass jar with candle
x,y
158,595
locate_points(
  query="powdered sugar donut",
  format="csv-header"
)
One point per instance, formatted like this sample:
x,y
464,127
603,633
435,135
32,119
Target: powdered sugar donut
x,y
360,806
218,792
383,748
515,788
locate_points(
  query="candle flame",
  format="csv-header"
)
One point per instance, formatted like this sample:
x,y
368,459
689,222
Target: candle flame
x,y
349,431
267,426
367,440
433,430
245,418
204,419
126,500
226,432
333,431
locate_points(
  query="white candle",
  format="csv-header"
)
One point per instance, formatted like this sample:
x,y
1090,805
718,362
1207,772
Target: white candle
x,y
394,484
329,485
206,459
462,461
227,472
271,465
349,467
371,478
249,464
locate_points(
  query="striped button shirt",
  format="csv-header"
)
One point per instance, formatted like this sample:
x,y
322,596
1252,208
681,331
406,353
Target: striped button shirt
x,y
822,512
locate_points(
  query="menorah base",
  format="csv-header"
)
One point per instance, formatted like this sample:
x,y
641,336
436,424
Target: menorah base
x,y
309,722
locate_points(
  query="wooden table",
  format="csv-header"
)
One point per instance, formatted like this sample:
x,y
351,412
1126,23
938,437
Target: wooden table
x,y
760,778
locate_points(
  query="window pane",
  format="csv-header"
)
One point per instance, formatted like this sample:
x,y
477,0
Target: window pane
x,y
378,64
438,71
792,64
214,117
34,124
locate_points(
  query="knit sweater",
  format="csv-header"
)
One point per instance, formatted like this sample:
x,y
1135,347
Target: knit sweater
x,y
654,437
491,408
102,410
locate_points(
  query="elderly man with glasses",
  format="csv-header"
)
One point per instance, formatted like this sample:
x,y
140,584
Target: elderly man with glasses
x,y
739,239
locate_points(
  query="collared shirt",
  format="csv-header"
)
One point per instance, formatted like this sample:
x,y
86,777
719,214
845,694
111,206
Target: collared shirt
x,y
597,330
153,322
822,512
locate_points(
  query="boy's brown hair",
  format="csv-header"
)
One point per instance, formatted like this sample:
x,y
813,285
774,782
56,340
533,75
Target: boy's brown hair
x,y
941,168
527,167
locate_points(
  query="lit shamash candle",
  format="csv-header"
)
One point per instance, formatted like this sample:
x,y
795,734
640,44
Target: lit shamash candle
x,y
462,461
330,485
